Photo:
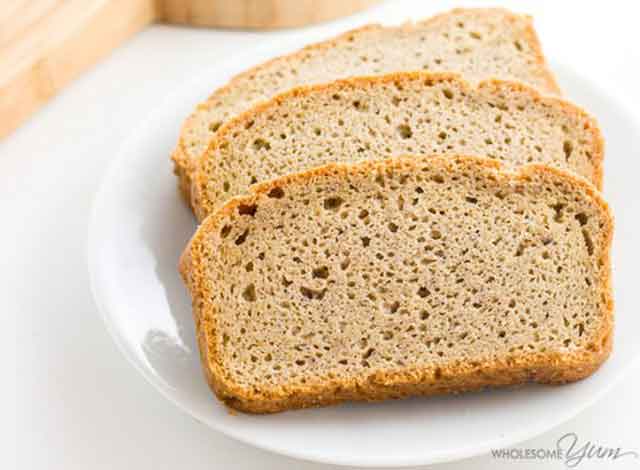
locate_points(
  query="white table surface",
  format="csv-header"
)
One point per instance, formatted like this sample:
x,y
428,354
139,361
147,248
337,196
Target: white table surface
x,y
78,404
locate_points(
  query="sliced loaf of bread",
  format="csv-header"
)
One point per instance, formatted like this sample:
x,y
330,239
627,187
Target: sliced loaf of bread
x,y
478,43
401,277
379,117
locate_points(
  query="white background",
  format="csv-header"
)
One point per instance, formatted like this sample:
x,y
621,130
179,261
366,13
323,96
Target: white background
x,y
77,404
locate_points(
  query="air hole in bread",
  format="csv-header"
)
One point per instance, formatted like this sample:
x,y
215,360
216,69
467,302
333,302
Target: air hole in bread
x,y
276,193
249,293
357,104
558,211
393,307
567,147
405,131
333,203
587,241
247,209
312,294
521,247
582,218
423,292
242,238
261,144
320,273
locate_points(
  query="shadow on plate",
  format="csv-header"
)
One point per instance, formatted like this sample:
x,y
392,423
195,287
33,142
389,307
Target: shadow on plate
x,y
167,231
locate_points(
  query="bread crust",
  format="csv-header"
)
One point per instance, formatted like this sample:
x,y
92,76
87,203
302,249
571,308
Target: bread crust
x,y
494,87
549,367
185,165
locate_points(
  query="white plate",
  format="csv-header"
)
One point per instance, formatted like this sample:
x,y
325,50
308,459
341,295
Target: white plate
x,y
140,225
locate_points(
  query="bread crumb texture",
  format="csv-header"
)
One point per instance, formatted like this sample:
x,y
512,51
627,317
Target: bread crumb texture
x,y
408,276
372,118
477,43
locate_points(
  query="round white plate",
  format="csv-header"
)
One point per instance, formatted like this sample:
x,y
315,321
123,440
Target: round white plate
x,y
140,225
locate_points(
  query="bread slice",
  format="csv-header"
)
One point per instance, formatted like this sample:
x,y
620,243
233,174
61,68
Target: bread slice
x,y
379,117
479,43
401,277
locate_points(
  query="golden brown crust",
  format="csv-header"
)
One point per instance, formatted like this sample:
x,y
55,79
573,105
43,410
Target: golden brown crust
x,y
570,108
550,367
184,165
202,207
534,42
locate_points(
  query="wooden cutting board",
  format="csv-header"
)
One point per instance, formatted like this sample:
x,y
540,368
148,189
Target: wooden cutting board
x,y
44,44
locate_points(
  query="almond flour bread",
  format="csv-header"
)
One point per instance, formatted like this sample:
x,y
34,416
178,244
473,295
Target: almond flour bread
x,y
479,43
409,276
371,118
